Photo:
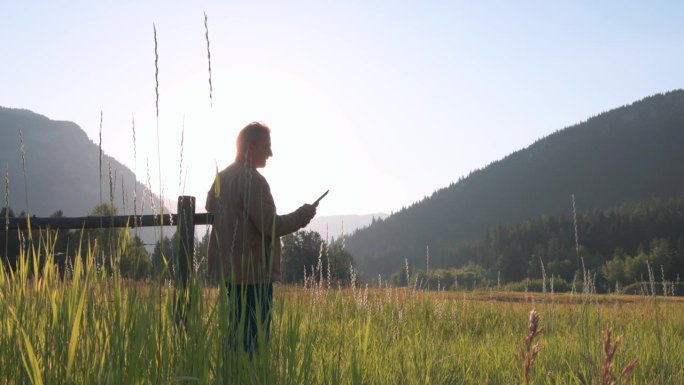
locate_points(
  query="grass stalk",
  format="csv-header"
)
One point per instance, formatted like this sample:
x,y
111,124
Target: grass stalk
x,y
180,168
135,174
6,207
100,155
206,35
159,163
111,183
22,151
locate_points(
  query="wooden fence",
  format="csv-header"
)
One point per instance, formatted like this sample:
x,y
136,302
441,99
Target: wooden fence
x,y
185,221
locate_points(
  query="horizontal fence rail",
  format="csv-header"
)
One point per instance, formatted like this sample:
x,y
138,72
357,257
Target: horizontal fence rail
x,y
53,223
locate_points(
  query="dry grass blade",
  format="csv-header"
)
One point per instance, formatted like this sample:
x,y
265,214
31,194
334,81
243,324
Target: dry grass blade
x,y
628,368
217,182
607,369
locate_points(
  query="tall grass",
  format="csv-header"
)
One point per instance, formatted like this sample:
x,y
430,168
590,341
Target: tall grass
x,y
92,326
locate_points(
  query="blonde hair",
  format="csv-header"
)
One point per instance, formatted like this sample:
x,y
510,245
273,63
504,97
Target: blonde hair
x,y
249,134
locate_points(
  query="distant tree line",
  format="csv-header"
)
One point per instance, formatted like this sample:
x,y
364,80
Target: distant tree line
x,y
306,255
616,246
467,277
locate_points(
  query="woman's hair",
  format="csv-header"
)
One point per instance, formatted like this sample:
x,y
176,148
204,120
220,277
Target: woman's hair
x,y
249,134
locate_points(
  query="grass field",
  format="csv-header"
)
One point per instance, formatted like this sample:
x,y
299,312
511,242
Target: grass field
x,y
91,328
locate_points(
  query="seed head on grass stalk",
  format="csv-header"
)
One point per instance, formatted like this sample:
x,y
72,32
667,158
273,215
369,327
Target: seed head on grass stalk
x,y
6,183
206,34
149,191
329,274
607,372
607,367
123,195
111,184
180,171
585,274
305,277
543,275
528,352
321,252
22,151
651,279
343,241
352,278
427,261
135,176
156,71
156,92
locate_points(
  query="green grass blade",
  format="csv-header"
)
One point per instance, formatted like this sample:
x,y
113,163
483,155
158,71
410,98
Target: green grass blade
x,y
75,330
28,356
32,366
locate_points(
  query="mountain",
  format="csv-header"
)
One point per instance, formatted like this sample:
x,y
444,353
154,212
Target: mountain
x,y
332,226
626,155
61,168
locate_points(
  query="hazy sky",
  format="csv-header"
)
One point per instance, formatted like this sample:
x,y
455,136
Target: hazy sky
x,y
382,102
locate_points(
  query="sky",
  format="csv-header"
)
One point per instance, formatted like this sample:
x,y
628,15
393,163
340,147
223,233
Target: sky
x,y
382,102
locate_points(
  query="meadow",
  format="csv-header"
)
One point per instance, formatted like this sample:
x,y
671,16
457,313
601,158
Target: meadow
x,y
87,325
93,327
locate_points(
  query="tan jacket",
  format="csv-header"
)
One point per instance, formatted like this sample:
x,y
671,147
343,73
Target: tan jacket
x,y
244,244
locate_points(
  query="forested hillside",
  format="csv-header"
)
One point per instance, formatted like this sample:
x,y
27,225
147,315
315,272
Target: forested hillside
x,y
628,155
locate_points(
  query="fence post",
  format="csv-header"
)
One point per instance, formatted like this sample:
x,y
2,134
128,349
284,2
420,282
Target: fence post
x,y
186,252
186,231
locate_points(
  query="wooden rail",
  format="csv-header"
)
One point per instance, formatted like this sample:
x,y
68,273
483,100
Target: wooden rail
x,y
64,223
